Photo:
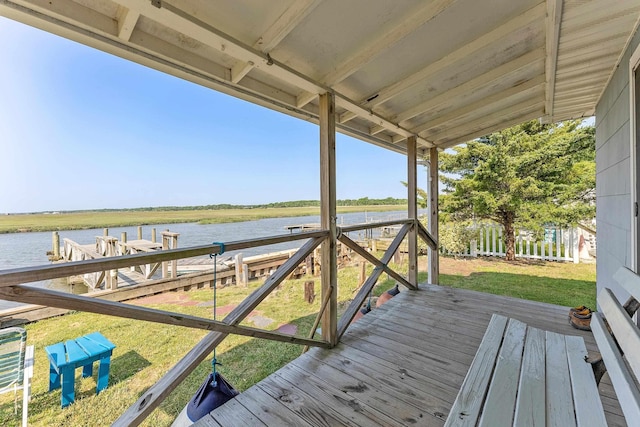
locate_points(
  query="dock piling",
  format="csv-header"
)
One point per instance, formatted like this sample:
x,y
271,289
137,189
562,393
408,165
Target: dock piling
x,y
55,245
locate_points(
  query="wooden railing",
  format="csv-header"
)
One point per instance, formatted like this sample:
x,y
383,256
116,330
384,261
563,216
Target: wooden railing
x,y
12,289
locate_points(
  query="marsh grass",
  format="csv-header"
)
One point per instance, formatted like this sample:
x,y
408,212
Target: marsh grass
x,y
125,218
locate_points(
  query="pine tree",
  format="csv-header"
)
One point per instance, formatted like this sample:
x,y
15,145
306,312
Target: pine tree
x,y
525,176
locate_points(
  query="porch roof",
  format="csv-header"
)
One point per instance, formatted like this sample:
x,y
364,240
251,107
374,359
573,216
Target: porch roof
x,y
446,71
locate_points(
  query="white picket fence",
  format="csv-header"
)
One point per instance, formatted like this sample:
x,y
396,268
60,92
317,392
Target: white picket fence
x,y
558,244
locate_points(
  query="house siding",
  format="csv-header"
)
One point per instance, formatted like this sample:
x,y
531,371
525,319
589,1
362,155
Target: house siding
x,y
613,176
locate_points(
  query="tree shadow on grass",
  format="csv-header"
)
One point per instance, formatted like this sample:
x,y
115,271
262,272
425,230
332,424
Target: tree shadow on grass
x,y
126,366
564,292
122,367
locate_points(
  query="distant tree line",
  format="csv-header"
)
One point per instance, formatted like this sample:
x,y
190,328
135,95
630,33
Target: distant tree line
x,y
363,201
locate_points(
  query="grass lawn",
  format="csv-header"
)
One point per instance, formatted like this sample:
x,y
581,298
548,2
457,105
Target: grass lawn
x,y
552,282
145,351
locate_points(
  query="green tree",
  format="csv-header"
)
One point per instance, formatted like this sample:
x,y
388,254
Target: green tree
x,y
524,176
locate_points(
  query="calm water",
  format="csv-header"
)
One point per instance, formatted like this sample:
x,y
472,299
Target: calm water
x,y
29,249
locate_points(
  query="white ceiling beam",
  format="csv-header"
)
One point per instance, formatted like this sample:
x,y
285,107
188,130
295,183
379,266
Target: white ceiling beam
x,y
240,70
526,89
282,26
127,20
554,19
496,74
489,129
178,20
514,110
374,118
304,98
346,116
286,23
498,33
85,17
377,45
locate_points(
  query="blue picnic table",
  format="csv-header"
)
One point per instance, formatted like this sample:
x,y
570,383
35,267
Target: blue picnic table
x,y
65,357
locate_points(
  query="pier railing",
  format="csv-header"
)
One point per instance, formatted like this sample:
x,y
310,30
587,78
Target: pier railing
x,y
12,288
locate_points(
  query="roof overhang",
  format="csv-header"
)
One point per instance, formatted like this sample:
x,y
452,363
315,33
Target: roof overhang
x,y
446,71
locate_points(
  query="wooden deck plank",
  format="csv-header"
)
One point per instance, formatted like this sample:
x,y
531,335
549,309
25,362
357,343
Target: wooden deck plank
x,y
377,389
530,403
442,343
560,412
421,379
422,342
331,397
233,413
268,410
501,397
301,403
426,378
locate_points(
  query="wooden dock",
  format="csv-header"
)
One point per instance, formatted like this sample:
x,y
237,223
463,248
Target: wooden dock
x,y
401,364
303,227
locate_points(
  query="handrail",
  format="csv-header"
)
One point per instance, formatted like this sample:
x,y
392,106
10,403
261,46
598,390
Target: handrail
x,y
368,285
18,276
113,308
426,236
158,392
375,261
359,227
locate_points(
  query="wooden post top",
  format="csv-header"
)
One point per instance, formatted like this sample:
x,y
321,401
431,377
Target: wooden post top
x,y
170,234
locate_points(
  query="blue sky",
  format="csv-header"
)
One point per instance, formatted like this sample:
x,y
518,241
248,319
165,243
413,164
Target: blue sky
x,y
82,129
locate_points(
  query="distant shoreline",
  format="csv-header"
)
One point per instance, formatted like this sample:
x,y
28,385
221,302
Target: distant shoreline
x,y
30,223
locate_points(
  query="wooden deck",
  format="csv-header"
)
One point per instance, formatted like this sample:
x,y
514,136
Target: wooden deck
x,y
400,365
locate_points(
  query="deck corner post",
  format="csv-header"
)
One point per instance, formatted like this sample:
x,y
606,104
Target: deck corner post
x,y
434,260
328,257
412,186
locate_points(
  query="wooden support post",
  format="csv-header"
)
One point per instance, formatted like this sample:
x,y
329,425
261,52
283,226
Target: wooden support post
x,y
56,245
170,241
123,239
309,291
165,264
412,187
111,276
363,273
309,265
153,235
434,261
329,268
245,274
316,262
139,232
105,232
238,268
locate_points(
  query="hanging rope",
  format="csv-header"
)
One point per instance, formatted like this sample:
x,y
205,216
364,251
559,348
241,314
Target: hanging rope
x,y
214,361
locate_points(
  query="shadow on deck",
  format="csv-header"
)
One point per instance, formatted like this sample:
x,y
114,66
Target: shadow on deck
x,y
400,365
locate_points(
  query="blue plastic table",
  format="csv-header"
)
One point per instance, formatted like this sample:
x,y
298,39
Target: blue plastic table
x,y
65,357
